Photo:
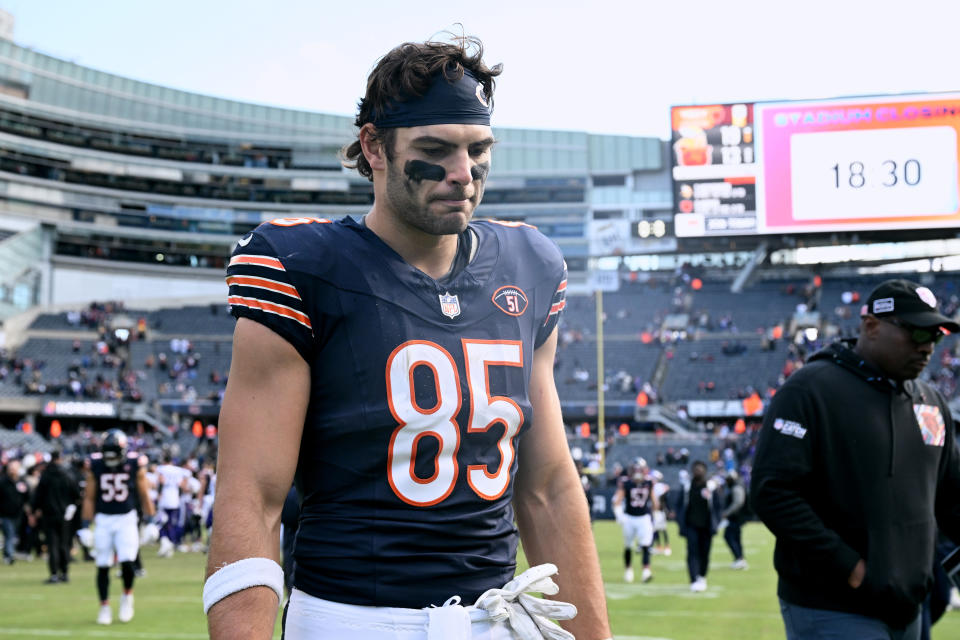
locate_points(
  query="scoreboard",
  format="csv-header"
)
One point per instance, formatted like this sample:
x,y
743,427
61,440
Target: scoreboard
x,y
852,164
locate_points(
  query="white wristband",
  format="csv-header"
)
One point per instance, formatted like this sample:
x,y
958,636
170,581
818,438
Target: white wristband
x,y
242,574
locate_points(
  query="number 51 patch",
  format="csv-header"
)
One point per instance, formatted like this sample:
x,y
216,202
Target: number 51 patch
x,y
931,424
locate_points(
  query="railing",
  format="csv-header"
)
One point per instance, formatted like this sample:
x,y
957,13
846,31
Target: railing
x,y
21,257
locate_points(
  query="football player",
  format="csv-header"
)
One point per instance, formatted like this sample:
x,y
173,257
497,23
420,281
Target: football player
x,y
172,480
638,501
115,481
208,489
661,538
400,367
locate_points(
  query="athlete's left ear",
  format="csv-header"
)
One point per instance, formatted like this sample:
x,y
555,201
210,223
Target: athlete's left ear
x,y
372,147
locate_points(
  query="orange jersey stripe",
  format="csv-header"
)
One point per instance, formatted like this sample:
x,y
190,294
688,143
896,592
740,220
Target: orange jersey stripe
x,y
264,283
270,307
562,287
263,261
558,307
510,223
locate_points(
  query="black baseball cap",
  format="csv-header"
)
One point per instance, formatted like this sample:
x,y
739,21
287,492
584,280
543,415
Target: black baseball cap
x,y
911,302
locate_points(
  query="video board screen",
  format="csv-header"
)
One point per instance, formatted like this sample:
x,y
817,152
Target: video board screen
x,y
852,164
714,184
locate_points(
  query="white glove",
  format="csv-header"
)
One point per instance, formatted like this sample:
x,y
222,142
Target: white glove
x,y
86,537
530,618
618,513
723,524
150,533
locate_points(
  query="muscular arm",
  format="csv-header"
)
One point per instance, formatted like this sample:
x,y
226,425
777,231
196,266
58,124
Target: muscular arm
x,y
551,513
89,498
618,497
143,489
261,422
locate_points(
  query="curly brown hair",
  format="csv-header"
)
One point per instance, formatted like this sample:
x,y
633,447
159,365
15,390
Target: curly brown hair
x,y
406,72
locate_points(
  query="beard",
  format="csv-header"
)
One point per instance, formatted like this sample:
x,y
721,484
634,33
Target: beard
x,y
410,204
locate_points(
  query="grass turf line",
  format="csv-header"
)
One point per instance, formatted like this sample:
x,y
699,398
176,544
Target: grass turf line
x,y
738,605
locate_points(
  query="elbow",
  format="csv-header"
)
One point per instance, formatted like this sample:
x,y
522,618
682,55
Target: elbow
x,y
758,500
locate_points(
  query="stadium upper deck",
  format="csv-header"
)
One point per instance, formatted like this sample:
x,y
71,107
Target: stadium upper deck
x,y
135,172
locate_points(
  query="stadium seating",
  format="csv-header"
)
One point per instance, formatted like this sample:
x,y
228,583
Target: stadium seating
x,y
705,361
732,374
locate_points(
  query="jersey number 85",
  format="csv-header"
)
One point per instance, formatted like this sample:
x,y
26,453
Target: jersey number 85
x,y
415,422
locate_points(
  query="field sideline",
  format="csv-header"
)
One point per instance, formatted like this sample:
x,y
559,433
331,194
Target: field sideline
x,y
737,605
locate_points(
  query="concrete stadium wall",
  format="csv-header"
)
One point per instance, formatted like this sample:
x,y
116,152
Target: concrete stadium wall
x,y
77,281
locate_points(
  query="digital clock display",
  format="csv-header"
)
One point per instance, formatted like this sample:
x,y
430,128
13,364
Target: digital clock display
x,y
847,164
863,164
874,173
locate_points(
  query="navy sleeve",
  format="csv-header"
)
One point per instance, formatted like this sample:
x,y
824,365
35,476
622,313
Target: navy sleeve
x,y
263,290
558,302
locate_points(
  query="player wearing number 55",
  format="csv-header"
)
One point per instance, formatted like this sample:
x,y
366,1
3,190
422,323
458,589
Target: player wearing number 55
x,y
399,369
115,483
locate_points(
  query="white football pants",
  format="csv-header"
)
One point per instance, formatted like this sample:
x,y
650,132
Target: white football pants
x,y
115,534
637,528
310,618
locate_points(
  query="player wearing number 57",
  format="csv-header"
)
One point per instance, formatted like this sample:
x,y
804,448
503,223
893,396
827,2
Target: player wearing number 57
x,y
399,369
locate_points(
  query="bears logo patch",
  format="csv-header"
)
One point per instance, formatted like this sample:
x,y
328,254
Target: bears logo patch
x,y
511,300
931,424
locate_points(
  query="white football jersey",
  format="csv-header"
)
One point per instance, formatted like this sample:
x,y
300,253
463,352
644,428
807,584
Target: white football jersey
x,y
171,476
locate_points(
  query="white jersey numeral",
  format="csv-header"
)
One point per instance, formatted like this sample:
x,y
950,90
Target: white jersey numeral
x,y
114,487
439,421
486,411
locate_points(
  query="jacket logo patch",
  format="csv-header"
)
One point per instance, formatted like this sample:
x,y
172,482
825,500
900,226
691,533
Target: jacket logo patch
x,y
449,305
511,300
931,424
789,428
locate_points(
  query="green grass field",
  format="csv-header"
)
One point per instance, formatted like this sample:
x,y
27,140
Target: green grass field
x,y
737,605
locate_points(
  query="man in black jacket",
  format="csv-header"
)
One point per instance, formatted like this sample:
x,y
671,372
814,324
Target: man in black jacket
x,y
13,496
698,516
734,515
56,491
856,465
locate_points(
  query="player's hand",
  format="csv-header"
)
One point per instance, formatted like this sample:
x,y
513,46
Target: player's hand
x,y
857,575
150,533
723,524
529,617
86,537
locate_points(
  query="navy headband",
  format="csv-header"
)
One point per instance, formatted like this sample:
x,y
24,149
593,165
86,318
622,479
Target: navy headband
x,y
445,102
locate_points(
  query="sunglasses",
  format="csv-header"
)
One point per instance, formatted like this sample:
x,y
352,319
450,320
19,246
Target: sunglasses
x,y
919,335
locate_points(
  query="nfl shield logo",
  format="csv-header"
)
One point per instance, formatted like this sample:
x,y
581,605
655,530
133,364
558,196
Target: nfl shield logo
x,y
449,305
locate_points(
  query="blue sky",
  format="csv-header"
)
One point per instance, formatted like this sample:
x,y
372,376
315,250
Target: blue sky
x,y
598,66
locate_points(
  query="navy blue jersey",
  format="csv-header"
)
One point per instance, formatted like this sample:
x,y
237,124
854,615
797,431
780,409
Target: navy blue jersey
x,y
418,401
116,487
637,497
